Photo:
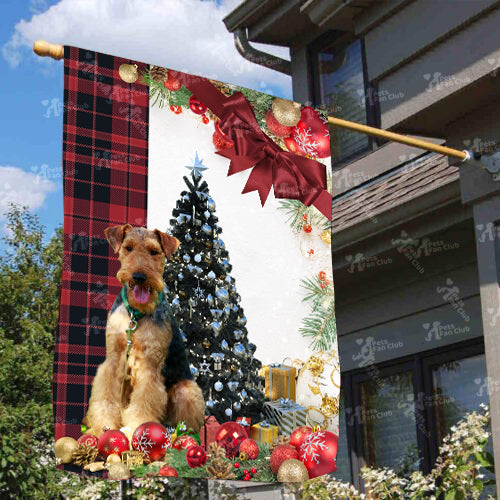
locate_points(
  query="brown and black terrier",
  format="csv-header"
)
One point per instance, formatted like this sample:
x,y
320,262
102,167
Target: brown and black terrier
x,y
151,380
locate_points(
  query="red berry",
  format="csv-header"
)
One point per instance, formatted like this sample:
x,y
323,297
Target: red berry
x,y
322,285
322,275
205,119
327,282
304,217
245,472
237,465
307,228
176,109
246,478
253,471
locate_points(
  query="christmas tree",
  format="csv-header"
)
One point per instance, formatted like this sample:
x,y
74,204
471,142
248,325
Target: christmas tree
x,y
207,308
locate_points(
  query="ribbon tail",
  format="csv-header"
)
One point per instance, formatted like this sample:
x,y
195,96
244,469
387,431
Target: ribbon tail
x,y
323,203
261,180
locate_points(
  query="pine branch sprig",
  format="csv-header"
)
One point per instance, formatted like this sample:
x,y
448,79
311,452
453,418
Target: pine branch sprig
x,y
295,210
320,327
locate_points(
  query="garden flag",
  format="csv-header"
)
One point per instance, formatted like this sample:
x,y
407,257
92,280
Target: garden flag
x,y
196,328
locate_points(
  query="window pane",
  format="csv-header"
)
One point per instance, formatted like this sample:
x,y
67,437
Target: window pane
x,y
343,472
389,427
342,90
459,387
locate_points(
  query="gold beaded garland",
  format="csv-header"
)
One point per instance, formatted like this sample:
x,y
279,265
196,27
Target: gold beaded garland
x,y
292,471
286,112
326,237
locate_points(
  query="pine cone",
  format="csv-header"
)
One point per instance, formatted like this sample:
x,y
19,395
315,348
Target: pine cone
x,y
222,87
220,469
280,440
214,451
84,455
158,74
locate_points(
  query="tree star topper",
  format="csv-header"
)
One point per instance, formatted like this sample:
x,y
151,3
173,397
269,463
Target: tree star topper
x,y
197,167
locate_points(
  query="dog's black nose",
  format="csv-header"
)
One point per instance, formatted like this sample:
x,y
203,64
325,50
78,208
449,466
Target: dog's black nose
x,y
139,277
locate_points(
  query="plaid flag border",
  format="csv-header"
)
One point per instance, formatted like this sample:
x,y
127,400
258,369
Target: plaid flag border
x,y
105,168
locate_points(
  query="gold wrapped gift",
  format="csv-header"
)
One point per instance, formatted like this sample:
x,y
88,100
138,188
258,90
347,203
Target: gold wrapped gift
x,y
264,432
280,381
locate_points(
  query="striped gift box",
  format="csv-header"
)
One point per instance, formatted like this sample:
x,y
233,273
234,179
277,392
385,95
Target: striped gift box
x,y
286,414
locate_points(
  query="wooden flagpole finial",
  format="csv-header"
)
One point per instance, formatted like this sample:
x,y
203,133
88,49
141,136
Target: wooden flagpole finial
x,y
43,48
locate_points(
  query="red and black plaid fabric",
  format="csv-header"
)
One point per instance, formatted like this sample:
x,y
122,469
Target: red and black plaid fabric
x,y
105,165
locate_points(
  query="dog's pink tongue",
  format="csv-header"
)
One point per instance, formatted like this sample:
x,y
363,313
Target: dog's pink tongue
x,y
141,294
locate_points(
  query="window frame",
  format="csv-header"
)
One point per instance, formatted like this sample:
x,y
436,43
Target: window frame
x,y
338,39
420,364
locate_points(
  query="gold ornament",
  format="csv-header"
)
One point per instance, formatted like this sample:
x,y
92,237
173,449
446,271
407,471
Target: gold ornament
x,y
64,449
329,406
220,469
128,72
243,456
286,112
280,440
292,471
84,454
118,470
158,74
95,466
205,343
113,459
326,237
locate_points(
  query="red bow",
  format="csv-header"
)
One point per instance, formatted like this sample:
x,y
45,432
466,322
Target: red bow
x,y
291,176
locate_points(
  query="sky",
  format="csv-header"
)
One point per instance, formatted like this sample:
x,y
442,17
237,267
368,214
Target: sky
x,y
188,36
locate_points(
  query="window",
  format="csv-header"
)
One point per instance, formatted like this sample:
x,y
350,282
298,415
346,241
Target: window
x,y
397,413
339,85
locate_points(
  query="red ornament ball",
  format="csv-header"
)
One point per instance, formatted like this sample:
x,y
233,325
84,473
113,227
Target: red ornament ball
x,y
221,141
298,436
112,442
237,465
196,106
253,471
281,453
152,439
322,275
184,442
230,436
171,83
196,456
89,440
205,119
292,146
307,228
168,471
319,453
311,134
250,447
176,109
275,126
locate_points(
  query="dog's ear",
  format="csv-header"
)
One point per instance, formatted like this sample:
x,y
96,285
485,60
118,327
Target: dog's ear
x,y
115,235
168,243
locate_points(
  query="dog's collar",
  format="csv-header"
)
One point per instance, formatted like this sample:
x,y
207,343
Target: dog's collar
x,y
135,313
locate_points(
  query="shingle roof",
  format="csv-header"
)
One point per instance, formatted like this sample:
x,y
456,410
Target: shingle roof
x,y
401,185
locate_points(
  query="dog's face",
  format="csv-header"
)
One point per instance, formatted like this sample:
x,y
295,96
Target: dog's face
x,y
142,254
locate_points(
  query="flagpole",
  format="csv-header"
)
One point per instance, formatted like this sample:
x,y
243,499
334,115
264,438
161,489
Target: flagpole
x,y
45,49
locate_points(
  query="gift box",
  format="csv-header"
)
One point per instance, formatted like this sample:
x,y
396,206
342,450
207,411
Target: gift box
x,y
286,414
209,431
280,381
246,423
264,432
